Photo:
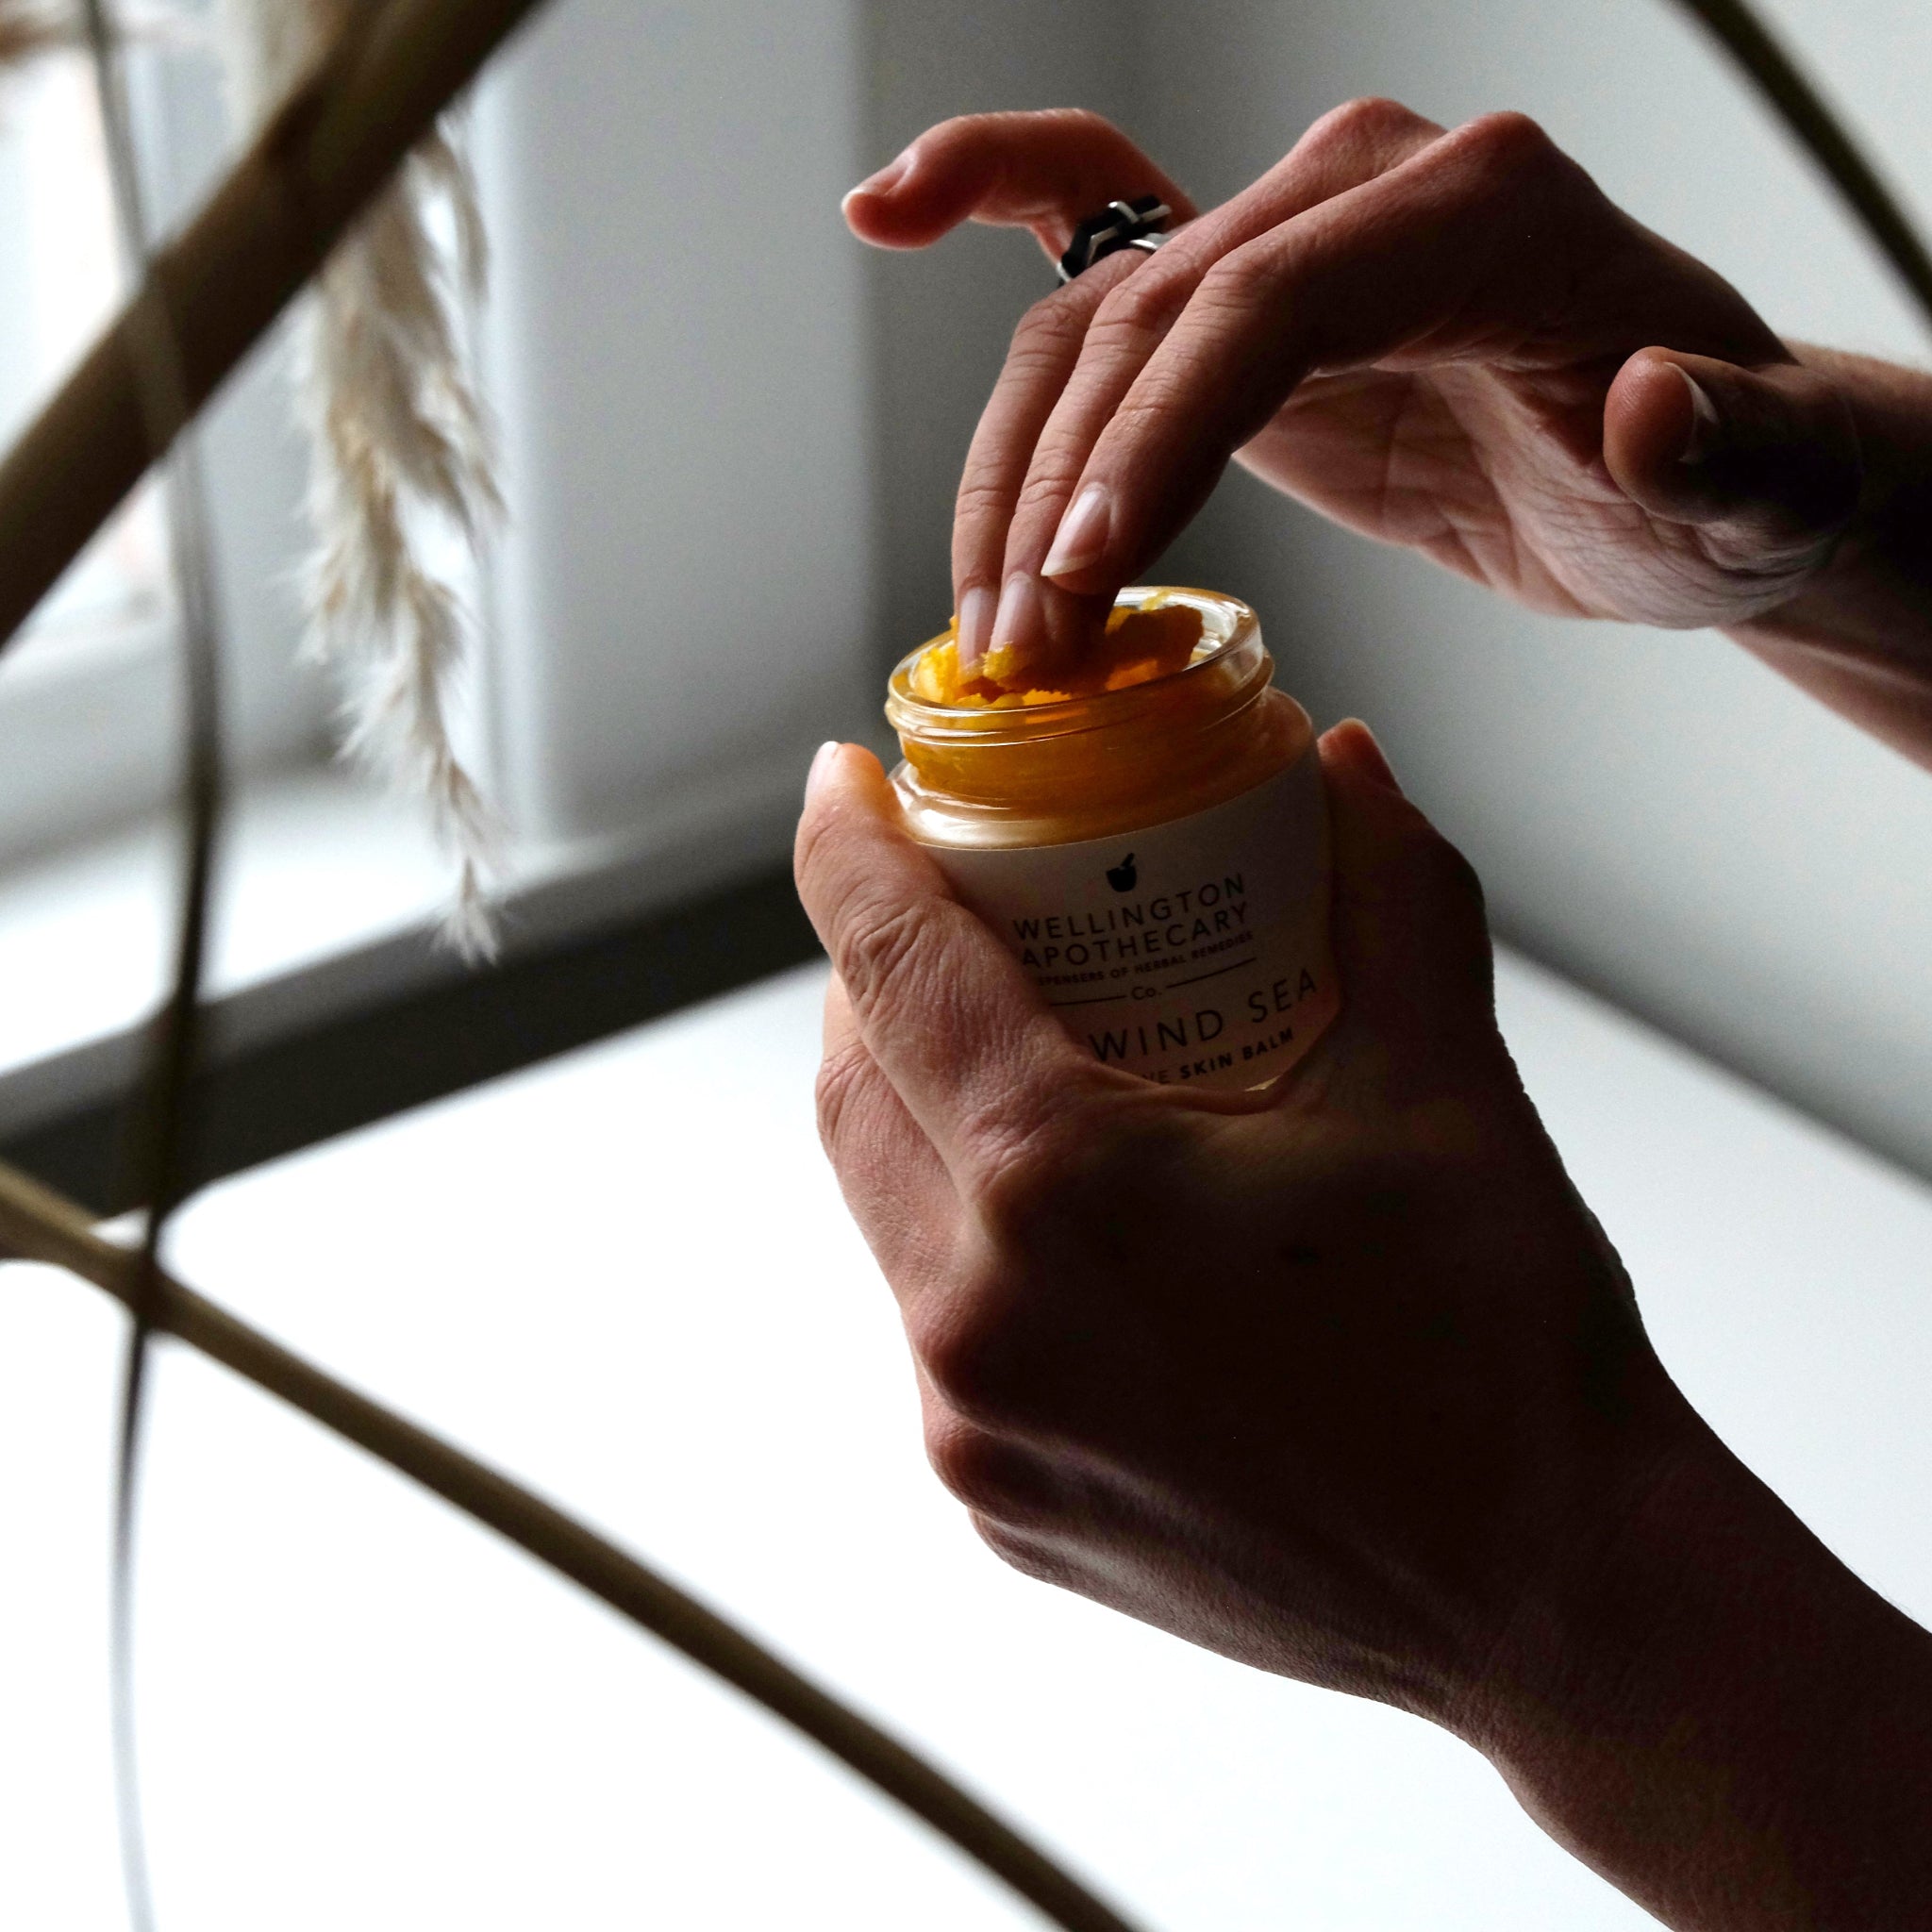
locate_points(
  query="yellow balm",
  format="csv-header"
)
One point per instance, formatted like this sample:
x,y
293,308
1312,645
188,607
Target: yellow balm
x,y
1148,836
1138,643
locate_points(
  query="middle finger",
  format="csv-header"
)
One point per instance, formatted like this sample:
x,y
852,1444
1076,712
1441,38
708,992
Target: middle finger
x,y
1044,352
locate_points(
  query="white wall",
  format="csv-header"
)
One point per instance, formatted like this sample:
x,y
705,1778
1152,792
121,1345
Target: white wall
x,y
676,353
1652,812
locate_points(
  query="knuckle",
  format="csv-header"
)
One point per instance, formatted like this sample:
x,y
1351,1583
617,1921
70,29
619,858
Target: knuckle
x,y
1003,133
1054,1189
1464,883
841,1079
1455,876
1078,125
1020,1199
1024,1187
968,1351
1146,304
876,952
1048,484
1506,142
975,1467
1149,408
1438,874
1045,1205
1083,120
1367,121
1029,1555
961,127
1236,280
1045,333
1447,897
982,500
1235,283
1034,365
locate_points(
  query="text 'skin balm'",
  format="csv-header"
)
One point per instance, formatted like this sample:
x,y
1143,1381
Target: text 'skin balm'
x,y
1152,847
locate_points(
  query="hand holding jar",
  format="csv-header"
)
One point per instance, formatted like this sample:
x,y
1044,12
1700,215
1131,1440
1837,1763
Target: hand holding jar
x,y
1344,1381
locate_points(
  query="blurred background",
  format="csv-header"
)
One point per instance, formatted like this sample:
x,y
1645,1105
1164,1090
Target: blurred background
x,y
730,442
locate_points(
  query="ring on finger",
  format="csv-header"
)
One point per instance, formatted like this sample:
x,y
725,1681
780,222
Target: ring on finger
x,y
1118,225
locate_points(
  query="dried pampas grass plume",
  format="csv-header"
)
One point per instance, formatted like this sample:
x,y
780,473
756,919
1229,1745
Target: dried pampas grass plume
x,y
400,450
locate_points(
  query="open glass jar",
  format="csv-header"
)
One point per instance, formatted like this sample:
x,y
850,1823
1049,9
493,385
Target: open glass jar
x,y
1156,856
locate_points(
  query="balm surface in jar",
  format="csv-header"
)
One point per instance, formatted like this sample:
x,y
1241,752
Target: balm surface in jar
x,y
1153,850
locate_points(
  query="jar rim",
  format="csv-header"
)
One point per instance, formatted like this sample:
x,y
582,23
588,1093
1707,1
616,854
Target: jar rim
x,y
1227,625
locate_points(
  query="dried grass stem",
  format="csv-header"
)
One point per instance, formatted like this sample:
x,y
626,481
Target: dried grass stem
x,y
38,1224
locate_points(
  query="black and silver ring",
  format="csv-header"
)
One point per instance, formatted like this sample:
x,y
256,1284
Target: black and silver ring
x,y
1118,225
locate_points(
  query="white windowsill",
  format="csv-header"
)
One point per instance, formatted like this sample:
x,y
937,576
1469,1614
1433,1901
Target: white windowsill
x,y
328,898
313,863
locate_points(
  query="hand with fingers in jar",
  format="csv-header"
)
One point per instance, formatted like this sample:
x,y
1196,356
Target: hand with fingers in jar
x,y
1445,339
1343,1379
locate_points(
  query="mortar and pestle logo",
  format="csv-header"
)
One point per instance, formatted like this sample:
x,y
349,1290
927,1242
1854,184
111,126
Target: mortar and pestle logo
x,y
1122,876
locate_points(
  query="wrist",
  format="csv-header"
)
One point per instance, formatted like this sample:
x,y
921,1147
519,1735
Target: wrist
x,y
1870,601
1721,1718
1581,1625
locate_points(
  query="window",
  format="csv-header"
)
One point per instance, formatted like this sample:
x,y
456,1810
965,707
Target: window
x,y
61,283
89,709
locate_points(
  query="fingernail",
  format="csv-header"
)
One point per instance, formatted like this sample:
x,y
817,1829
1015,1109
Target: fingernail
x,y
976,609
1081,539
1017,622
1707,426
888,177
821,765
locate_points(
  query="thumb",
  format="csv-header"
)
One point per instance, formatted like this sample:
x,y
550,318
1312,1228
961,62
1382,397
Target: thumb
x,y
1764,463
1411,942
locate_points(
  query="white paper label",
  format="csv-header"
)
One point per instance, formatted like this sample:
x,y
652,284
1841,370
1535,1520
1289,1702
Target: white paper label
x,y
1195,951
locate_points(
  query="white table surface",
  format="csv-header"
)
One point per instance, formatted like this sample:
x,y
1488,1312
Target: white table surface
x,y
627,1277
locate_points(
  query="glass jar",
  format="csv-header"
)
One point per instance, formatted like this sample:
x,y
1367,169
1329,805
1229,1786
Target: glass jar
x,y
1156,856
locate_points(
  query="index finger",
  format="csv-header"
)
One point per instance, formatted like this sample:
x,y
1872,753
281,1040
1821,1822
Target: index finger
x,y
1044,172
969,1045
